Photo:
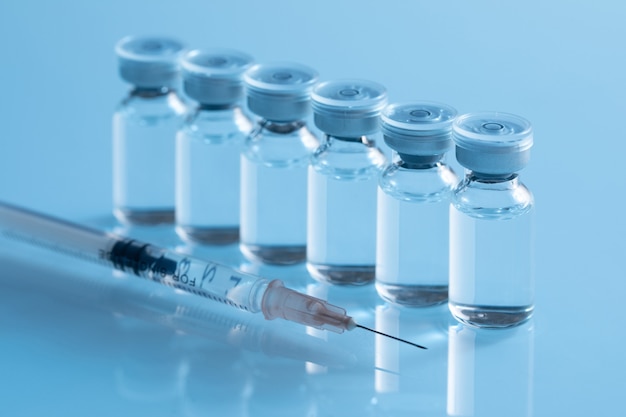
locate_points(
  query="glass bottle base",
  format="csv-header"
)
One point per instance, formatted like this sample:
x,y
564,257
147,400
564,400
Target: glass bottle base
x,y
144,217
413,295
208,235
342,274
274,254
490,316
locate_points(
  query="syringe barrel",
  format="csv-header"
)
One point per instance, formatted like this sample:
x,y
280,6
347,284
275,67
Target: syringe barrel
x,y
53,234
207,279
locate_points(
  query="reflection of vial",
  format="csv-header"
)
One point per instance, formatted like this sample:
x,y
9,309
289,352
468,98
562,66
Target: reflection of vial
x,y
408,384
490,373
144,128
413,199
491,282
274,163
208,147
341,241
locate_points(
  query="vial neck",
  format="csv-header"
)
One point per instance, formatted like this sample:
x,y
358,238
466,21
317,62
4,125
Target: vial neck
x,y
145,92
346,142
282,127
216,107
419,161
490,178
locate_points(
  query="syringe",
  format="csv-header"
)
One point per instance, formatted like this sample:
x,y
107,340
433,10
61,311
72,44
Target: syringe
x,y
207,279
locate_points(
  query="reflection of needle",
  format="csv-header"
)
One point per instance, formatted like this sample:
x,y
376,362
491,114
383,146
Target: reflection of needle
x,y
392,337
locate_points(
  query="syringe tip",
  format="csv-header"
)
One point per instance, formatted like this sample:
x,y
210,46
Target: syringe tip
x,y
279,301
351,324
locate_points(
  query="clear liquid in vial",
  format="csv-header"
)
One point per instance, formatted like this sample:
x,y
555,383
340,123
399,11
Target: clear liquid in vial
x,y
342,245
491,282
273,211
207,188
412,250
143,171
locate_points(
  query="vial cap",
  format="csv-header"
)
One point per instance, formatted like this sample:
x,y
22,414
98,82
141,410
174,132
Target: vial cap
x,y
214,76
348,108
280,91
149,62
492,142
418,128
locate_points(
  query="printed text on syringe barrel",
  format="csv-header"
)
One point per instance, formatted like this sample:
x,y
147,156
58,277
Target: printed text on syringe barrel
x,y
169,272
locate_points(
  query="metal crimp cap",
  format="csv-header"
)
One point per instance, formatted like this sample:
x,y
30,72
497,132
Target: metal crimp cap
x,y
149,62
280,91
492,142
214,76
348,108
418,128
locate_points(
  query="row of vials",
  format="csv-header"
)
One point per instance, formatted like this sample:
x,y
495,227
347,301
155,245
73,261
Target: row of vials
x,y
269,182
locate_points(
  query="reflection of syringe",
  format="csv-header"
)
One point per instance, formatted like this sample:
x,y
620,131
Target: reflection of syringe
x,y
207,279
183,313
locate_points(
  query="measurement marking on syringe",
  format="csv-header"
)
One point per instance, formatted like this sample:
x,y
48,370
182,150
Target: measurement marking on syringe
x,y
205,294
209,272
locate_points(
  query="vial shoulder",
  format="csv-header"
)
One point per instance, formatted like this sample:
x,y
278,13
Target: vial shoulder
x,y
435,183
348,161
152,107
274,147
216,125
486,199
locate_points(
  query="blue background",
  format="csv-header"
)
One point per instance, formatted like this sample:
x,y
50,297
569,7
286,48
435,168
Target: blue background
x,y
73,341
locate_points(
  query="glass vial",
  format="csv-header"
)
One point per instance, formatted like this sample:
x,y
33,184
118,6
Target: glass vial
x,y
343,177
209,145
274,163
414,194
144,128
491,230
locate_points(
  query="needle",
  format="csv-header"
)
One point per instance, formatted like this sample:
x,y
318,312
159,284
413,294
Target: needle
x,y
392,337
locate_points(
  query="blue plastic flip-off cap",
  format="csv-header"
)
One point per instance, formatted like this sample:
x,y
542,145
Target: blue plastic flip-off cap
x,y
149,62
348,108
418,128
281,91
214,76
492,142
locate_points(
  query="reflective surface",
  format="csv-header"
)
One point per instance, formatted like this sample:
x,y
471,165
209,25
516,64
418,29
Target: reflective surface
x,y
120,342
100,348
